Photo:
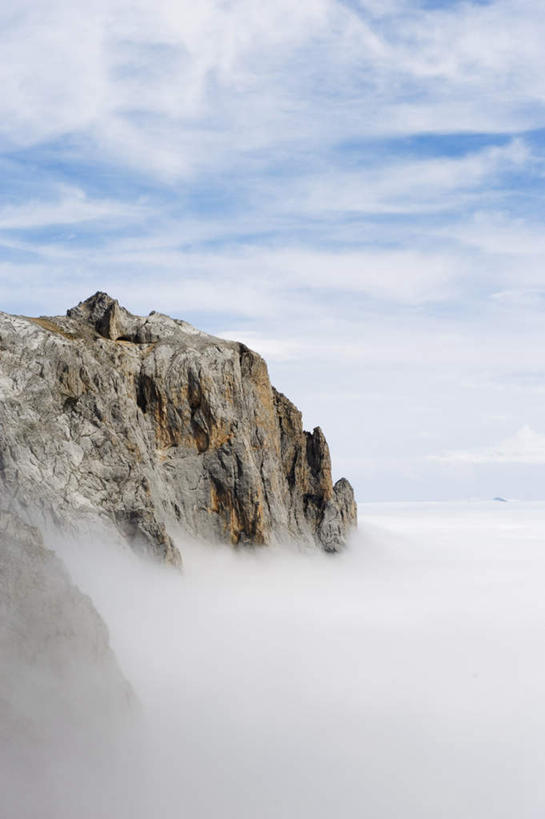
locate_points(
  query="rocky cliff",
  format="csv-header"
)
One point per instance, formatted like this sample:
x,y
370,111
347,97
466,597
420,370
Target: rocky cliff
x,y
148,422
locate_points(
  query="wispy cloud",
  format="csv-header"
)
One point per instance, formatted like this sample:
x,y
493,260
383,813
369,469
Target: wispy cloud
x,y
525,447
417,186
69,207
264,75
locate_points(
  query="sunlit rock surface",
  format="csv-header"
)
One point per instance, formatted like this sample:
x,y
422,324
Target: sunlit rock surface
x,y
149,422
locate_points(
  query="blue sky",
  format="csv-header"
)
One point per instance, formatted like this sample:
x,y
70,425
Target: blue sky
x,y
355,189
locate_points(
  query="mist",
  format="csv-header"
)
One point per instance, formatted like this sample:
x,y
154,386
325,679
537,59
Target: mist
x,y
403,677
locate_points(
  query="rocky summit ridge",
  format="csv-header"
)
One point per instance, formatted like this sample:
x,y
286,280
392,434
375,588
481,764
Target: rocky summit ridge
x,y
150,423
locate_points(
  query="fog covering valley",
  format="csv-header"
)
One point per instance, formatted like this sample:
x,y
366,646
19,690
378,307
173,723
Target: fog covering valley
x,y
401,677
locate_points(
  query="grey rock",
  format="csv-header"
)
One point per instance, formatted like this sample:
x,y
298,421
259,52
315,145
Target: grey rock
x,y
57,665
148,422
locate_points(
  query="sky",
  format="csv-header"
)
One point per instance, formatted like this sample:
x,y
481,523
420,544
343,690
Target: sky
x,y
354,189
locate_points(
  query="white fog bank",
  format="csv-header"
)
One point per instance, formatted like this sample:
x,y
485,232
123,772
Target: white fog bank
x,y
404,678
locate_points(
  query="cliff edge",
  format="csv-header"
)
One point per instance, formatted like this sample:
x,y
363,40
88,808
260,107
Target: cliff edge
x,y
147,422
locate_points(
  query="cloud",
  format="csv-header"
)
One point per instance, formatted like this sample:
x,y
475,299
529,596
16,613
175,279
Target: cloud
x,y
167,87
398,679
70,206
411,186
258,283
525,447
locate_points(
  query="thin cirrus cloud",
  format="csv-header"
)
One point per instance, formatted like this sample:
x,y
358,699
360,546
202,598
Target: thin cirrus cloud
x,y
417,186
68,207
289,281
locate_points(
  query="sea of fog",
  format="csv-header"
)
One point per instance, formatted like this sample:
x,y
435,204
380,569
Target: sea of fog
x,y
402,679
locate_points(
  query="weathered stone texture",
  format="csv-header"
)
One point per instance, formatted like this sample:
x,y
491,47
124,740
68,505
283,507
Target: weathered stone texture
x,y
148,421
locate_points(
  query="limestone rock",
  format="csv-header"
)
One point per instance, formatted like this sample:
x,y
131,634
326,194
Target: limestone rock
x,y
149,422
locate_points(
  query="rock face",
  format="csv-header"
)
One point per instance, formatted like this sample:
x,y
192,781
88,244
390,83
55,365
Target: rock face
x,y
53,643
149,422
64,704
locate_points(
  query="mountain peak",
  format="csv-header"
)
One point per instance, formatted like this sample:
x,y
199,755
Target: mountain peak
x,y
92,308
103,313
